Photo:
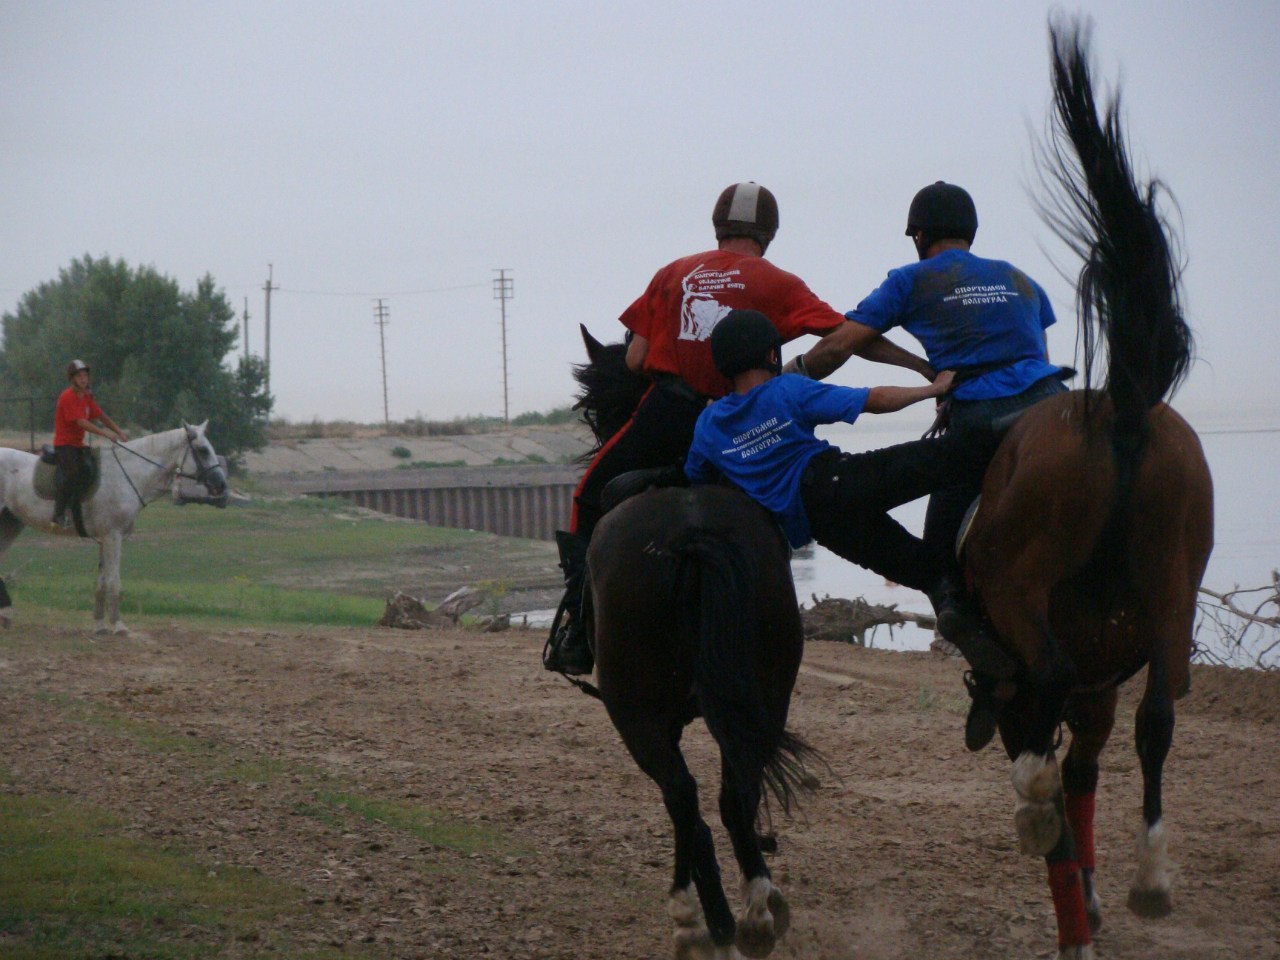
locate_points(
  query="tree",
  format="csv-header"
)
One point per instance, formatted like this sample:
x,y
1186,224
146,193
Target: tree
x,y
157,352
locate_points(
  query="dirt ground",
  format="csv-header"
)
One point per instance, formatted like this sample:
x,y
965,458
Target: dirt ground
x,y
906,850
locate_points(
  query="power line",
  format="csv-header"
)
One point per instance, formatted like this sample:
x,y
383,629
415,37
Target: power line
x,y
362,293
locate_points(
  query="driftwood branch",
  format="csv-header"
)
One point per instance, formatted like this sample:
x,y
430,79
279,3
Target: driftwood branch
x,y
849,621
1245,623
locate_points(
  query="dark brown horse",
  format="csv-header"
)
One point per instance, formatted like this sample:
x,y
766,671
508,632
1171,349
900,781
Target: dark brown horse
x,y
694,614
1096,519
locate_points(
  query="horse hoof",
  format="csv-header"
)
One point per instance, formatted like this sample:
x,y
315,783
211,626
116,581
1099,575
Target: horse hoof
x,y
1093,912
694,944
764,920
120,630
1081,952
6,621
1150,903
101,629
1039,828
685,909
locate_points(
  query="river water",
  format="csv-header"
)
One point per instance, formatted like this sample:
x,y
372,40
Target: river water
x,y
1244,459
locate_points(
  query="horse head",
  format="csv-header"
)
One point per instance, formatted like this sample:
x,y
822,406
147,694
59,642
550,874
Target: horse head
x,y
610,389
209,472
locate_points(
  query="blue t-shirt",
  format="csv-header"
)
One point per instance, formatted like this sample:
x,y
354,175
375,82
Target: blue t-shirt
x,y
763,440
967,311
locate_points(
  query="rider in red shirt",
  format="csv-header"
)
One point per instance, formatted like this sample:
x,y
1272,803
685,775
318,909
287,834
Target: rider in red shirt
x,y
73,417
669,331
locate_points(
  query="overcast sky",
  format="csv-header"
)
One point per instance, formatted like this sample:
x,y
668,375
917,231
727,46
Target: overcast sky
x,y
406,150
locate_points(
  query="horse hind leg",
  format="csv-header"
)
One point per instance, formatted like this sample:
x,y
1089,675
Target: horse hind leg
x,y
765,916
704,925
1151,892
1091,719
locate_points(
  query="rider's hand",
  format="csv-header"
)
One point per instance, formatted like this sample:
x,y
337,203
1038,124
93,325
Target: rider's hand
x,y
942,382
122,435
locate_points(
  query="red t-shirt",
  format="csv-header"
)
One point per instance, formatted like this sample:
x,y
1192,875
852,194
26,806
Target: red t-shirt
x,y
72,407
687,298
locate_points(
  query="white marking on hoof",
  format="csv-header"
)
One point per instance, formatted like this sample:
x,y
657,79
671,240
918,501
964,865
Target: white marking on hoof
x,y
100,628
1036,783
1083,952
685,909
1093,911
120,630
1150,894
765,918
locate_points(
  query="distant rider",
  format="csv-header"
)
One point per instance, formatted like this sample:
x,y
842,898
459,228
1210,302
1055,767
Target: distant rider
x,y
984,319
670,326
72,419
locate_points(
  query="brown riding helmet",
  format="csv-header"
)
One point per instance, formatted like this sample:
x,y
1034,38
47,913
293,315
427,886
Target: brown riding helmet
x,y
746,210
74,367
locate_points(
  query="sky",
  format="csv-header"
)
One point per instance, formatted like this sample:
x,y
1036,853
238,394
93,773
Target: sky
x,y
406,151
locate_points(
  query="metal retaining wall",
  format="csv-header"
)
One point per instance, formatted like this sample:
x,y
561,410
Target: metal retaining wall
x,y
534,512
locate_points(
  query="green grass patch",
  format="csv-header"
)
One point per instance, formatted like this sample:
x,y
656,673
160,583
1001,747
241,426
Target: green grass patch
x,y
73,885
430,826
255,564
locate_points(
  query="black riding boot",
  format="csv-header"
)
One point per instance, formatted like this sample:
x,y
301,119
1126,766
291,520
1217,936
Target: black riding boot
x,y
568,650
958,623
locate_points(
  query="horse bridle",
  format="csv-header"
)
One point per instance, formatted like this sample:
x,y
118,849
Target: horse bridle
x,y
202,469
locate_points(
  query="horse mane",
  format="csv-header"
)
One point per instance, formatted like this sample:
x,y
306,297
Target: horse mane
x,y
152,442
1128,290
610,390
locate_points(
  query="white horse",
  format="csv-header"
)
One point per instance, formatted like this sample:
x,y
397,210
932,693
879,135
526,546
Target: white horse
x,y
131,475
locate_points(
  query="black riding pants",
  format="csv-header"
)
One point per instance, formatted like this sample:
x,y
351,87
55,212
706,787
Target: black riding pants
x,y
847,498
657,435
69,474
982,423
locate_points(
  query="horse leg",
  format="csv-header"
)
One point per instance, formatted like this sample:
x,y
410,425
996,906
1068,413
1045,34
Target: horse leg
x,y
697,904
1091,718
106,600
1149,896
765,916
1038,814
10,527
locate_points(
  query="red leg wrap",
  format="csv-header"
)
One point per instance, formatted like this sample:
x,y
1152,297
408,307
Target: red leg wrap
x,y
1068,904
1080,819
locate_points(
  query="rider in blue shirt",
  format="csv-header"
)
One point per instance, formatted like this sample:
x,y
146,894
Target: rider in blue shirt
x,y
761,438
984,319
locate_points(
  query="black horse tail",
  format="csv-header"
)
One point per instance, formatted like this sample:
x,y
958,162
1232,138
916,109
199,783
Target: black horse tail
x,y
717,605
1128,288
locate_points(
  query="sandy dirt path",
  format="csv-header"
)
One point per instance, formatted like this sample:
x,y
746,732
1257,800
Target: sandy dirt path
x,y
548,843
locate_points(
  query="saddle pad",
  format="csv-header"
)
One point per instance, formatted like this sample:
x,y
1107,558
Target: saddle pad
x,y
44,477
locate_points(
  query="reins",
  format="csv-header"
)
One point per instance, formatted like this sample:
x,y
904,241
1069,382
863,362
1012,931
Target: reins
x,y
177,468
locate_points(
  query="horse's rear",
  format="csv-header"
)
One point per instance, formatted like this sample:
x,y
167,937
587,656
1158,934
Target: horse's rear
x,y
1096,521
694,614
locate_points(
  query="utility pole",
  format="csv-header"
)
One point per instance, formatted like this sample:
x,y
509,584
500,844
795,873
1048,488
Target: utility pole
x,y
380,317
266,336
504,290
246,328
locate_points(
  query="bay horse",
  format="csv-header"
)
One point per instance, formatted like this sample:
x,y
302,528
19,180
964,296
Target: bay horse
x,y
1095,522
694,613
129,476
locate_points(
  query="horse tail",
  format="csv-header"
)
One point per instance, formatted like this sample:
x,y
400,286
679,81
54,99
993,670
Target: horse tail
x,y
717,606
1129,287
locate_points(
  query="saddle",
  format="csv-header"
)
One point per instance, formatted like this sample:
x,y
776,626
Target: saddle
x,y
44,474
627,485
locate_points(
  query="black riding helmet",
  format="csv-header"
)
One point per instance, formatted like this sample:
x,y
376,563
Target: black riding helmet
x,y
742,341
943,211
